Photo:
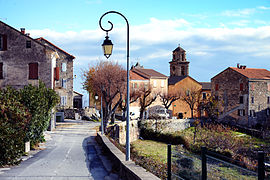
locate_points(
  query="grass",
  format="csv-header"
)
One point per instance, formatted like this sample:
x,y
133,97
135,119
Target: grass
x,y
153,149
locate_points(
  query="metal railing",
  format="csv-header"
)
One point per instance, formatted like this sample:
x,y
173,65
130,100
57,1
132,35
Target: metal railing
x,y
209,165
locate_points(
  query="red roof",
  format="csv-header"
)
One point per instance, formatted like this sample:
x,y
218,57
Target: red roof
x,y
41,38
135,76
253,73
148,73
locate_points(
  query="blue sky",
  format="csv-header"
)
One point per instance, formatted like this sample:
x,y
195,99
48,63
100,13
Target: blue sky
x,y
215,34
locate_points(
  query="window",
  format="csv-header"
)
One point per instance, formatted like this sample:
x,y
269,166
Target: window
x,y
241,86
64,83
241,100
1,71
267,112
183,73
268,85
216,87
252,87
28,44
56,73
187,92
145,85
162,83
241,112
204,95
133,85
63,100
252,113
64,67
268,100
252,100
33,70
155,83
3,42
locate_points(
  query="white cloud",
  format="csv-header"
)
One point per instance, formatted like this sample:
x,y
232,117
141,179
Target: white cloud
x,y
152,44
264,8
239,12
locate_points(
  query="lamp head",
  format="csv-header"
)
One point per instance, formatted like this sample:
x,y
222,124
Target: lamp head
x,y
107,47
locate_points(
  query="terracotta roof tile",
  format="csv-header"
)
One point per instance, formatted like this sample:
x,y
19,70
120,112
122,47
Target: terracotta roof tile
x,y
253,73
148,73
41,38
134,76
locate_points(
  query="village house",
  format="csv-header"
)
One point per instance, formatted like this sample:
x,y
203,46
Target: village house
x,y
24,60
145,78
244,96
63,74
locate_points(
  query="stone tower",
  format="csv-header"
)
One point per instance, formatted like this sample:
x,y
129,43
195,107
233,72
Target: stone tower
x,y
179,66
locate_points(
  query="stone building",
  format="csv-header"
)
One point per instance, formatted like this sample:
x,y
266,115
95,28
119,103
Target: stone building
x,y
63,80
24,60
244,95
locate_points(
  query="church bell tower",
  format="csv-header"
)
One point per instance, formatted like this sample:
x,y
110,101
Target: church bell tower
x,y
179,66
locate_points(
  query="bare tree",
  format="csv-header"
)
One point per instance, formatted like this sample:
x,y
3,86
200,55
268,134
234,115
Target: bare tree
x,y
147,97
191,97
168,98
107,80
133,97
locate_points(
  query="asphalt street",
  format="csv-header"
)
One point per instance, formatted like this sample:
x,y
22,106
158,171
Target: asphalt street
x,y
69,153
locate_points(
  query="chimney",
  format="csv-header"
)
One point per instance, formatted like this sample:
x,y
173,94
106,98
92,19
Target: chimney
x,y
238,66
23,30
244,67
27,34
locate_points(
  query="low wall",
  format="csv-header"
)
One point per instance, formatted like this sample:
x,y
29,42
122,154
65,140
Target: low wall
x,y
126,169
118,131
167,125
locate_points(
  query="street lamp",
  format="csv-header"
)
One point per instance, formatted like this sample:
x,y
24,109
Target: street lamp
x,y
107,48
101,113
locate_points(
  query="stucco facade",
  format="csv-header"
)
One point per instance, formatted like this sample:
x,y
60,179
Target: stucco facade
x,y
180,106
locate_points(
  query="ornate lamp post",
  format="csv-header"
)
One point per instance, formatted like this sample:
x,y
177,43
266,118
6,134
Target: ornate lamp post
x,y
107,48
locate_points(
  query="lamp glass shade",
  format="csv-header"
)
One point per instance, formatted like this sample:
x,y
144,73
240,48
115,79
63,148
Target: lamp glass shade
x,y
107,47
96,97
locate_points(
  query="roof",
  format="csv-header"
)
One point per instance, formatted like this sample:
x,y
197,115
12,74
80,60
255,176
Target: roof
x,y
174,79
206,85
43,39
75,92
148,73
253,73
136,76
179,49
27,36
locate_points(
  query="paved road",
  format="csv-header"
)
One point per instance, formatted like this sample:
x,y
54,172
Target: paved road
x,y
72,153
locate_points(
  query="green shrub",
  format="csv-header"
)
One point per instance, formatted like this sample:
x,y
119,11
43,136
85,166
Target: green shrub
x,y
39,100
14,119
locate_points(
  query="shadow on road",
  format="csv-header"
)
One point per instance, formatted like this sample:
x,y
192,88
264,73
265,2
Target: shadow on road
x,y
92,160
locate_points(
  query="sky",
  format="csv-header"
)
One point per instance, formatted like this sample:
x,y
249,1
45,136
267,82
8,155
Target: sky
x,y
215,34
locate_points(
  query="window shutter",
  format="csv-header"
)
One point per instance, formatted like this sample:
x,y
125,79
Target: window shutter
x,y
4,42
1,71
33,70
216,88
241,86
56,73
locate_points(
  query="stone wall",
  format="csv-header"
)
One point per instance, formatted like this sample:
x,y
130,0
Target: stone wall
x,y
228,94
167,126
118,131
258,90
